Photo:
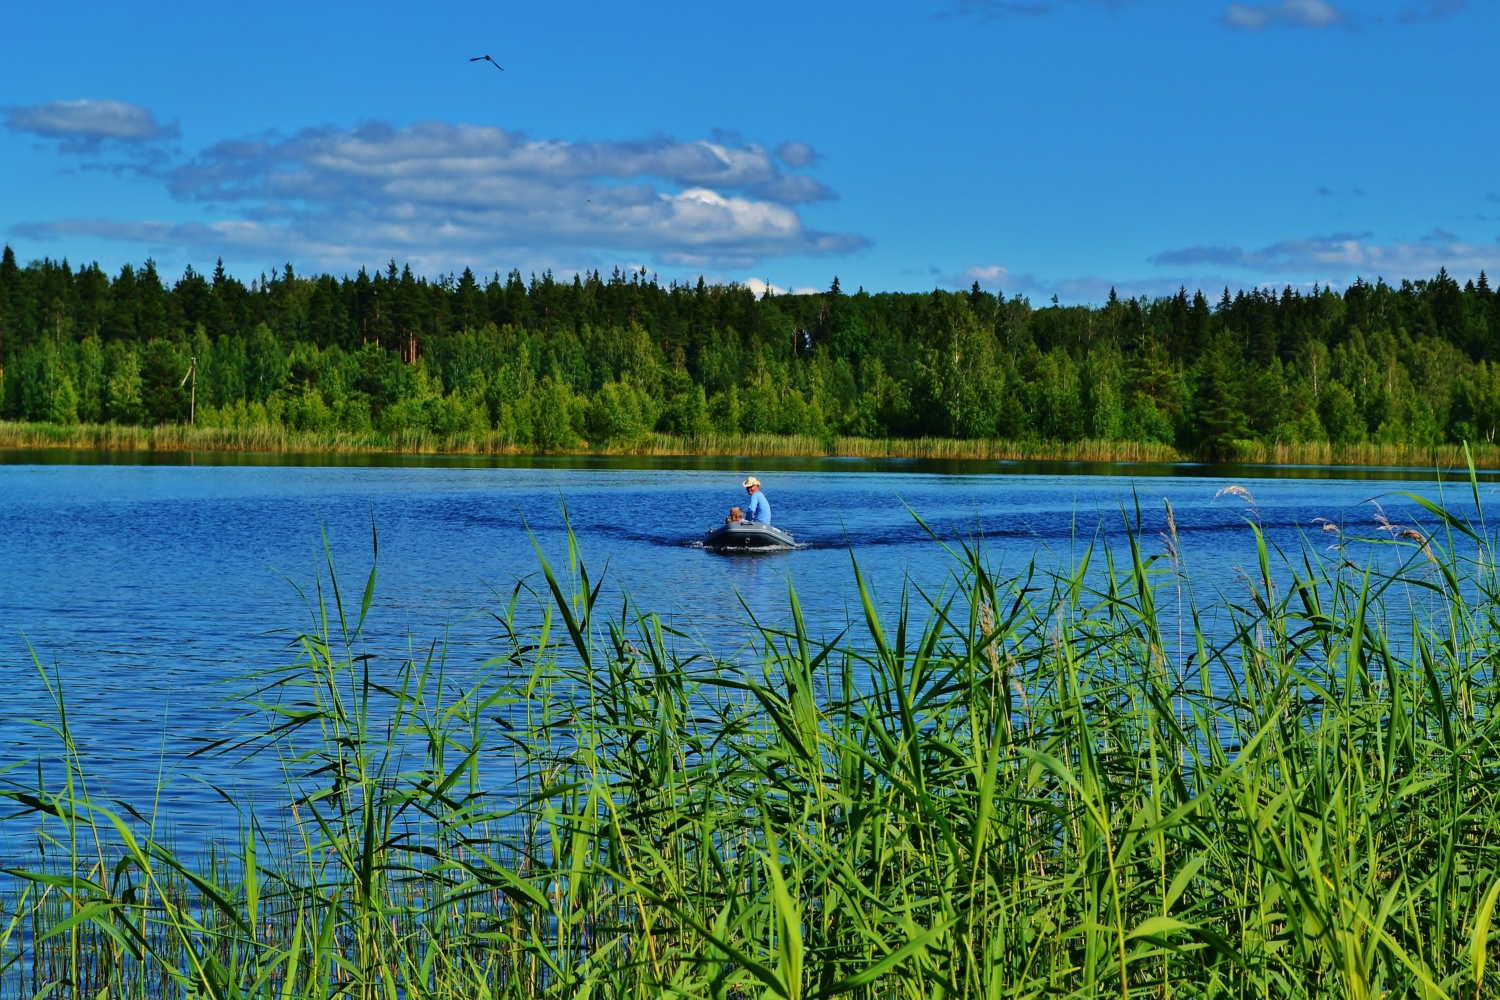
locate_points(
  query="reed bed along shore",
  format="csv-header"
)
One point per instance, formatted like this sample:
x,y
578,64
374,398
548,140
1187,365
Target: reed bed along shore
x,y
1058,784
177,437
1447,456
278,438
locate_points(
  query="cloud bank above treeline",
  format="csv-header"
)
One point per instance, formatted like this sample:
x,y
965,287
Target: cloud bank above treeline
x,y
438,193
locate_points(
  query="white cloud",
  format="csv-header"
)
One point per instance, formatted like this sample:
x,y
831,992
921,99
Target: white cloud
x,y
1334,260
1325,260
1291,13
994,9
1341,256
438,194
1238,15
995,278
797,154
1096,289
1245,16
1421,11
1309,13
761,287
442,161
1072,291
991,276
83,125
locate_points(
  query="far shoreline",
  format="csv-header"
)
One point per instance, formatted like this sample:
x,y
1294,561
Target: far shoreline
x,y
167,440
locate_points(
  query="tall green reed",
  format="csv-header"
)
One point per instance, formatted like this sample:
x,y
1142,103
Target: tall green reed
x,y
1094,782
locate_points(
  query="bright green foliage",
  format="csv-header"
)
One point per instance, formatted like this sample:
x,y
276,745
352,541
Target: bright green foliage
x,y
621,412
1409,365
1053,785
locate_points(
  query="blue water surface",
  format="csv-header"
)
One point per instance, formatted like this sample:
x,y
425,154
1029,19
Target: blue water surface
x,y
145,590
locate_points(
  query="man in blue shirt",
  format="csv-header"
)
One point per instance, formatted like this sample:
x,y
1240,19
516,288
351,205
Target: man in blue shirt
x,y
759,509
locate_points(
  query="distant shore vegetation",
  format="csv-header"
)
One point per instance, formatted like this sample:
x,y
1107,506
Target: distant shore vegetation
x,y
1377,374
280,439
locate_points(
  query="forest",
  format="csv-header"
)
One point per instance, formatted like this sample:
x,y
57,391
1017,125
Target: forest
x,y
553,364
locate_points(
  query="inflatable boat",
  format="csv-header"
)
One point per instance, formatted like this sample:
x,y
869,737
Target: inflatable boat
x,y
747,536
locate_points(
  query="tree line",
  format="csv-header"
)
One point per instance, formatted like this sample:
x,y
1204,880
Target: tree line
x,y
552,363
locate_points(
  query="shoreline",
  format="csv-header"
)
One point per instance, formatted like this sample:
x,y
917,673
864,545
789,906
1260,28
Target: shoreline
x,y
168,438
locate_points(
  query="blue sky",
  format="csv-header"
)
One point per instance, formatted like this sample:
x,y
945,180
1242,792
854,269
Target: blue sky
x,y
1037,146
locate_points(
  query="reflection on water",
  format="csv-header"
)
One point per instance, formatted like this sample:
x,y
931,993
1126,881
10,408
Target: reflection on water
x,y
146,588
930,466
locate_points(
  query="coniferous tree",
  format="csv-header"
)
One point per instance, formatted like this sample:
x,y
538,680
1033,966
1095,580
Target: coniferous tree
x,y
549,361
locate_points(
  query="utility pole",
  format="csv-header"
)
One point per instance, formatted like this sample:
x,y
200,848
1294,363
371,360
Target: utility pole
x,y
192,373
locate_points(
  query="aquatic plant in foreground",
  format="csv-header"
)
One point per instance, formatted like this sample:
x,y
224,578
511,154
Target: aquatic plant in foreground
x,y
1064,784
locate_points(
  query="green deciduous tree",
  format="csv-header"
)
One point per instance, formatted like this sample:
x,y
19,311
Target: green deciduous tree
x,y
391,350
552,415
123,389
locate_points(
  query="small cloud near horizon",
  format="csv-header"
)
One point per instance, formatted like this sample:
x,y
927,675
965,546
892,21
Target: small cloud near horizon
x,y
1339,257
1314,14
1424,11
798,154
760,288
995,9
84,126
1082,290
991,277
1241,16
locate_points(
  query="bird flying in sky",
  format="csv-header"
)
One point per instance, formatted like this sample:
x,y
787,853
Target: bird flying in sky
x,y
488,60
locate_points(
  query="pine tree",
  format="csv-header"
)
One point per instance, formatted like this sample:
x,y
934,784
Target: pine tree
x,y
10,281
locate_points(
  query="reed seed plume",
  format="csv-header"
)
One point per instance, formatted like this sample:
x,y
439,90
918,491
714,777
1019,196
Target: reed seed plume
x,y
1169,537
1400,531
1243,494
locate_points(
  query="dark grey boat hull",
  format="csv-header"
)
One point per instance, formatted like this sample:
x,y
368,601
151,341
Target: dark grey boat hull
x,y
744,536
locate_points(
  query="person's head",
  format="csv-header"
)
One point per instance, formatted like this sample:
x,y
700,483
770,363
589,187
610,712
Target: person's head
x,y
752,485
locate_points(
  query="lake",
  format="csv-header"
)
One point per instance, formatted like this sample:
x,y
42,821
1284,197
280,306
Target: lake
x,y
146,588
